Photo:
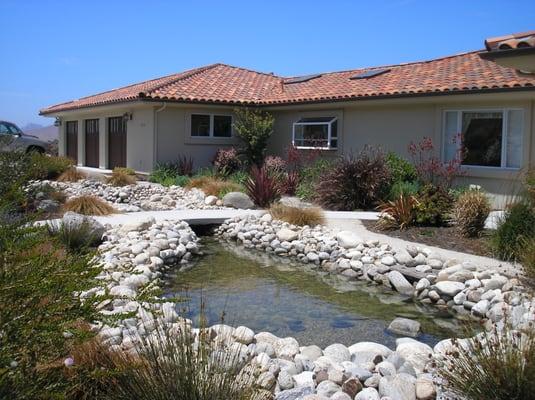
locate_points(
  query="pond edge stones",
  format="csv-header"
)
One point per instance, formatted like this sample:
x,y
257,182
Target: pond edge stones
x,y
134,257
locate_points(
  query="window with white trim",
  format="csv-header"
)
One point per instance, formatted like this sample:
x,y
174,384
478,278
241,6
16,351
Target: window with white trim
x,y
211,125
490,138
315,133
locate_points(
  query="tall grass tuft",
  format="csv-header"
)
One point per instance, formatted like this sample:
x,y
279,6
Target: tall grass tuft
x,y
71,175
212,186
121,177
171,366
76,237
470,212
88,205
517,223
296,215
493,365
397,214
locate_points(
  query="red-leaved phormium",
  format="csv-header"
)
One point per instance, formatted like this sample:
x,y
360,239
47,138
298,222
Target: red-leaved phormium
x,y
262,187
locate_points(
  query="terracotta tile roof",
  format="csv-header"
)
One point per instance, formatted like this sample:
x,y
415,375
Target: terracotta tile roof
x,y
514,41
224,84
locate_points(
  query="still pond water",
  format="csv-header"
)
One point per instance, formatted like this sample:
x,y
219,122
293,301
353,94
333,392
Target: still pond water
x,y
268,293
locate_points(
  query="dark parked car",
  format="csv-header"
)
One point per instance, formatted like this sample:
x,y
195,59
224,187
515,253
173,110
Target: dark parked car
x,y
12,138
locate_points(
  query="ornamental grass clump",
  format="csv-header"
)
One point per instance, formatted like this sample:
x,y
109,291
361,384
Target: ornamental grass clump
x,y
88,205
122,177
212,186
470,212
310,216
71,175
517,223
497,365
262,187
174,365
397,214
75,237
355,182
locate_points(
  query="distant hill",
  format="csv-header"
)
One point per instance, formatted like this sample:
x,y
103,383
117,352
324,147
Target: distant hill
x,y
47,133
31,127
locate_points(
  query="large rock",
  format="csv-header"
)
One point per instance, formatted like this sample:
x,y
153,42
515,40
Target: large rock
x,y
368,394
337,352
402,285
137,225
327,388
370,347
405,326
74,221
416,353
449,288
238,200
398,387
287,235
425,388
348,239
295,394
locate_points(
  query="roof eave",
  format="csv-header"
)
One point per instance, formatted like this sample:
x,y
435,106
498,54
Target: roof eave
x,y
497,54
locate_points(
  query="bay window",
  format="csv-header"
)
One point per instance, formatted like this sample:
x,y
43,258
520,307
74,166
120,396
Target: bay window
x,y
490,138
315,133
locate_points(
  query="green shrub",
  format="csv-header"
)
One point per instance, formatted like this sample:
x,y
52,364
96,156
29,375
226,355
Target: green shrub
x,y
517,223
254,128
239,177
355,182
401,170
470,212
529,185
403,188
493,365
48,167
310,177
527,257
77,238
37,282
167,174
433,207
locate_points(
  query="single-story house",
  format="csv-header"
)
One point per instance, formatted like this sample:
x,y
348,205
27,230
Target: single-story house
x,y
487,95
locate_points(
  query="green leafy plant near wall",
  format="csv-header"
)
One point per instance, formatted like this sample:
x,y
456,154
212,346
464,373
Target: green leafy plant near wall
x,y
254,128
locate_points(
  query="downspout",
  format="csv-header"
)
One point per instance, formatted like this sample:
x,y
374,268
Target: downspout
x,y
155,143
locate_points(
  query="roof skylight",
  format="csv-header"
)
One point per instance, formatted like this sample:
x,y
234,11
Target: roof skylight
x,y
300,79
370,73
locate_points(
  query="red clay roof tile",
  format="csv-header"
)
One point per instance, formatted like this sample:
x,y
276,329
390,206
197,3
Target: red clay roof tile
x,y
224,84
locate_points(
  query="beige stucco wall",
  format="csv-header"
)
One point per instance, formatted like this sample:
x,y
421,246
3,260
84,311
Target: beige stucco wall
x,y
159,133
173,137
139,141
393,124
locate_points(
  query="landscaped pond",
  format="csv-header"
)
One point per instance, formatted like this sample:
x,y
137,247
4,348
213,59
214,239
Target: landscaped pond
x,y
269,293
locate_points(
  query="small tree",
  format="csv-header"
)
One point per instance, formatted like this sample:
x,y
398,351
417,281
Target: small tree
x,y
254,128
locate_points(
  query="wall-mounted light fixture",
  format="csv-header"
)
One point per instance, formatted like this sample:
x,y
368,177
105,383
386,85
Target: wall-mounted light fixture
x,y
57,122
127,116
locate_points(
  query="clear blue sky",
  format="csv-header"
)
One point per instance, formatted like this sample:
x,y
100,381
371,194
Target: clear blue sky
x,y
55,51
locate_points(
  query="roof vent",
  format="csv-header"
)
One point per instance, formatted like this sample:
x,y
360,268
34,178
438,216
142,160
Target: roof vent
x,y
370,74
300,79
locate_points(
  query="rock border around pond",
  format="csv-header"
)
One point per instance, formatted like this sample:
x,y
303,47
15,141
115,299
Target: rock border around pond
x,y
135,256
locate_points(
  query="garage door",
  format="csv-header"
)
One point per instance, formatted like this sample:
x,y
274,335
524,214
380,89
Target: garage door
x,y
91,143
71,135
116,142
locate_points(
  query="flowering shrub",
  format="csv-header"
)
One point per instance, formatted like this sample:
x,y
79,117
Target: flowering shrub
x,y
275,164
430,168
298,159
226,161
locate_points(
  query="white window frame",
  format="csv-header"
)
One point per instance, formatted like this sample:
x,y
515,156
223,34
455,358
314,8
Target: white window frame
x,y
329,134
211,135
505,122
